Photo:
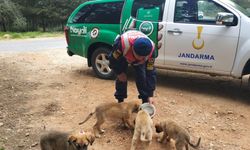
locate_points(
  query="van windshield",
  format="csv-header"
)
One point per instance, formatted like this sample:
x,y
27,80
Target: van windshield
x,y
242,6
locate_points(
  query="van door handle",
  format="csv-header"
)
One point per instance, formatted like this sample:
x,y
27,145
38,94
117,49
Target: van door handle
x,y
175,31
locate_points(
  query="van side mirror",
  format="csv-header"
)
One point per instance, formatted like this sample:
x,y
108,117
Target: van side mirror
x,y
225,18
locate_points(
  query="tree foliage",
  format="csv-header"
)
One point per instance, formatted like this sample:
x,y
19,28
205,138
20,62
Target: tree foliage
x,y
8,17
32,15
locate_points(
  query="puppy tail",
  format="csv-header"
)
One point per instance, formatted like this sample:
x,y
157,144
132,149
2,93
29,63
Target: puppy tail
x,y
88,117
197,144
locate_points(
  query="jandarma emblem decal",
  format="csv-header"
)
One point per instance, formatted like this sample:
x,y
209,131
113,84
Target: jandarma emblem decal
x,y
198,43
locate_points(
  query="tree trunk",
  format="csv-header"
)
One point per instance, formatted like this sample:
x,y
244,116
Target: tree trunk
x,y
2,23
62,26
44,26
4,27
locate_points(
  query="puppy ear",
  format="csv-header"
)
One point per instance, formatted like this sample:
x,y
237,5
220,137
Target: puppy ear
x,y
90,138
72,139
158,127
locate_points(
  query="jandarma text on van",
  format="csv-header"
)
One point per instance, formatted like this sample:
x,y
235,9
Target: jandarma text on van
x,y
196,56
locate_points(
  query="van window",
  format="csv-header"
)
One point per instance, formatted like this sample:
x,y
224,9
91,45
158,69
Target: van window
x,y
197,11
101,13
148,4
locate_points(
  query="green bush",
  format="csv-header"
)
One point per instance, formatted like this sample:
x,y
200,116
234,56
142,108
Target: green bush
x,y
16,36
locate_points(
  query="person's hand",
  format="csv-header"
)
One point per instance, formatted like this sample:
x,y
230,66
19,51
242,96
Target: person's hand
x,y
122,77
151,100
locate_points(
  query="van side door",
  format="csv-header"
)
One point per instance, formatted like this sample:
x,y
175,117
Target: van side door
x,y
195,42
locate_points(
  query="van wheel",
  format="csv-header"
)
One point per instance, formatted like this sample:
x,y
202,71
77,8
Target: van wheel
x,y
100,63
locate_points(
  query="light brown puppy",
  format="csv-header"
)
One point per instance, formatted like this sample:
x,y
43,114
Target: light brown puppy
x,y
113,110
143,129
55,140
172,131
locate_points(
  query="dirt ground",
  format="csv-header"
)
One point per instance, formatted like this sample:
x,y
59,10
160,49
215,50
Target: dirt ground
x,y
48,90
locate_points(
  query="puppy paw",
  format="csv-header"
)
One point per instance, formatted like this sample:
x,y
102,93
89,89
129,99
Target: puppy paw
x,y
97,135
159,140
102,131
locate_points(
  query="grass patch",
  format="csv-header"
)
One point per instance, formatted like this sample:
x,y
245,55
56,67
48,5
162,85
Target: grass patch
x,y
25,35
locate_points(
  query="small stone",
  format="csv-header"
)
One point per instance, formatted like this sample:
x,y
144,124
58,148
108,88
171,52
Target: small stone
x,y
34,145
20,146
216,112
173,102
1,124
213,127
242,116
27,134
229,112
108,141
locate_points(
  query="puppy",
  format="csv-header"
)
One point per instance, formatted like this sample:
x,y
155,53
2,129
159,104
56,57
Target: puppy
x,y
55,140
115,111
172,131
143,129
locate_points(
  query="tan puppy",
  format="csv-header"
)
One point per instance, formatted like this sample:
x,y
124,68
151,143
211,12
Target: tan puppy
x,y
55,140
172,131
143,129
113,111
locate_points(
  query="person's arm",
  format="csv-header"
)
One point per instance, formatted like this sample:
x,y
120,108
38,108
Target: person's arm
x,y
116,56
151,79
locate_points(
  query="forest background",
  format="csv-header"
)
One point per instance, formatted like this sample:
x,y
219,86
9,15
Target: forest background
x,y
43,15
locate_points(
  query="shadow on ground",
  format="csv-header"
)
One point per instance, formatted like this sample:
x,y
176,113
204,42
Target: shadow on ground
x,y
226,87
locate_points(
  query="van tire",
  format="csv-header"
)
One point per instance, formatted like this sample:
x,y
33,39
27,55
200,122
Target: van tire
x,y
100,63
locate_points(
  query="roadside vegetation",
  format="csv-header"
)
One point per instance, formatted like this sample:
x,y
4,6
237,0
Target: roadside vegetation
x,y
35,15
24,35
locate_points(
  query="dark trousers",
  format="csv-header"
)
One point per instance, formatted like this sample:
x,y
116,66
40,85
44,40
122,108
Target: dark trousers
x,y
145,80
